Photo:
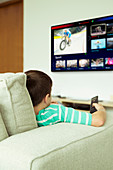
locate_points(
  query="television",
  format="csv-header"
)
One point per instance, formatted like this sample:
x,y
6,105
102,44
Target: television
x,y
85,45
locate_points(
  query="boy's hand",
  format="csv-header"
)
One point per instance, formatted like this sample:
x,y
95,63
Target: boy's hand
x,y
99,107
98,117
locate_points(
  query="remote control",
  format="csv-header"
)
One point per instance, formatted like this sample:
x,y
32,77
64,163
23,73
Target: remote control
x,y
93,100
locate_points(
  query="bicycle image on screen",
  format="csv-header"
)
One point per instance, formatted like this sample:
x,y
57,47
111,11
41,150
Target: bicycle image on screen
x,y
70,40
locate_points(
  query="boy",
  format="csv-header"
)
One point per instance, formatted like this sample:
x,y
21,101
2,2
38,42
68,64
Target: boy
x,y
39,86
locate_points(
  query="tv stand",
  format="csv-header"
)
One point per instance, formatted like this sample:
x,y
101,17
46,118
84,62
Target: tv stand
x,y
82,105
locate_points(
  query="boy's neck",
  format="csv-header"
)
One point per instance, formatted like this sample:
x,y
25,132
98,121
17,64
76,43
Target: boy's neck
x,y
43,104
39,107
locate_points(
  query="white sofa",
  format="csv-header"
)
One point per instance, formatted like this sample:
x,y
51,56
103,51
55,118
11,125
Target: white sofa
x,y
64,146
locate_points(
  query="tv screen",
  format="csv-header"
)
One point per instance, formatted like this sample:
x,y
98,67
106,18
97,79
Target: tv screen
x,y
83,46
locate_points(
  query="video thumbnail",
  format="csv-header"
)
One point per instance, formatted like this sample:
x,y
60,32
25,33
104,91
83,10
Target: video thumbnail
x,y
98,62
70,40
71,63
98,44
110,42
110,28
60,64
84,63
98,29
108,61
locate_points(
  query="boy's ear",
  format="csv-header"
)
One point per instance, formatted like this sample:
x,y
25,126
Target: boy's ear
x,y
46,98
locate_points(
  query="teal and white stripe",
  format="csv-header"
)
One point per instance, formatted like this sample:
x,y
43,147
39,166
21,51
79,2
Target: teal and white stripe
x,y
66,112
45,120
79,120
59,113
72,117
87,118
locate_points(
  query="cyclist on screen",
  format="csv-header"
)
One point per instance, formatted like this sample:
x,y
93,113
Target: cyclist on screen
x,y
67,33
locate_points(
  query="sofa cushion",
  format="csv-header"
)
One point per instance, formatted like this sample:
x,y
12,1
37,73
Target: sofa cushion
x,y
62,146
3,131
16,106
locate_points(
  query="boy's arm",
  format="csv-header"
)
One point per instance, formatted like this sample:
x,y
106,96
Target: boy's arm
x,y
74,116
70,115
98,117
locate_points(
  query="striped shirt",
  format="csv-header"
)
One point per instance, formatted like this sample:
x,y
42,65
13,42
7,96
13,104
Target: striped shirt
x,y
56,113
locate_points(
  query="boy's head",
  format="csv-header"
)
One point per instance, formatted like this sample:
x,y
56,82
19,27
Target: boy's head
x,y
39,85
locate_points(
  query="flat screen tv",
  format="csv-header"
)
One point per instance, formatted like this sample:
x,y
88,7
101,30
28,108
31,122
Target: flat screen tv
x,y
83,46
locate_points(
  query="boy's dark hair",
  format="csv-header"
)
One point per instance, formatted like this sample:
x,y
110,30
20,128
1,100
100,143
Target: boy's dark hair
x,y
38,84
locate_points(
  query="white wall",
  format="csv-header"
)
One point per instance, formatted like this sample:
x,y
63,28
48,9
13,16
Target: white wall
x,y
39,15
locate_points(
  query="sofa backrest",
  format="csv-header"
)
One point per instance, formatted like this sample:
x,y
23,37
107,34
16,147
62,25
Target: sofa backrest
x,y
3,131
15,103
